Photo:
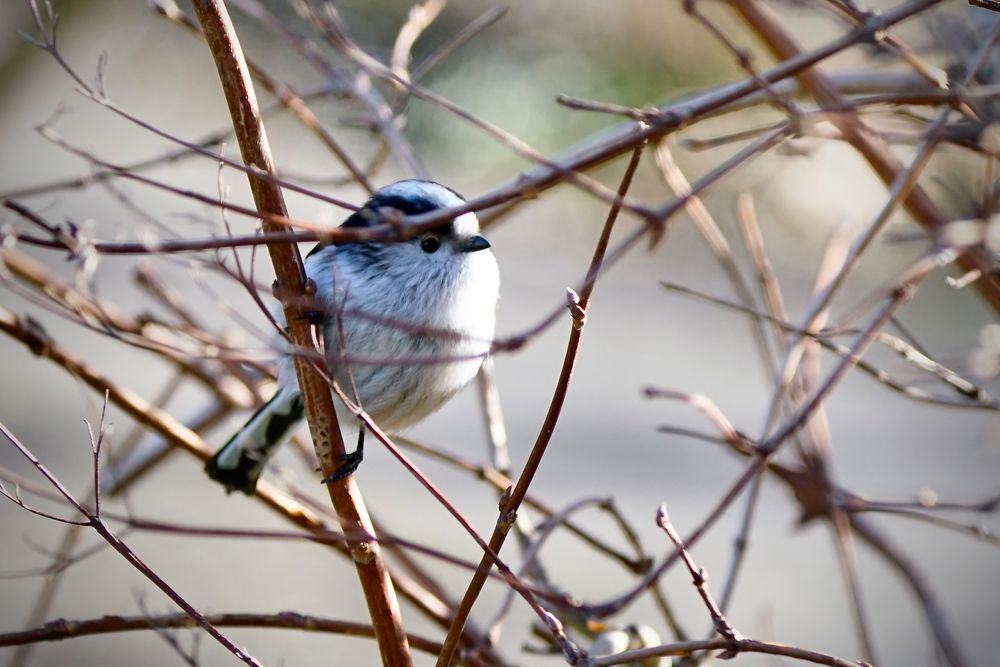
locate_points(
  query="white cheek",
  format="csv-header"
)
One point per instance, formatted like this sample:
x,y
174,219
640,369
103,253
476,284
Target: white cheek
x,y
466,225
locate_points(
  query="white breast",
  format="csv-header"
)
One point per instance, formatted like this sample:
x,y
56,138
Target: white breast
x,y
401,321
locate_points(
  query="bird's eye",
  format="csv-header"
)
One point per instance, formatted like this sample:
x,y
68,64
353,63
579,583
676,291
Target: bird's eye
x,y
430,243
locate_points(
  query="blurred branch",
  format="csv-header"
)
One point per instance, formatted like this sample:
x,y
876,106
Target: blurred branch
x,y
287,96
670,117
63,629
974,396
419,19
766,22
681,649
32,335
358,85
68,241
933,611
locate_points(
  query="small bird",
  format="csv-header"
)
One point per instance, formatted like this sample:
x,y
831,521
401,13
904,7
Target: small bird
x,y
405,326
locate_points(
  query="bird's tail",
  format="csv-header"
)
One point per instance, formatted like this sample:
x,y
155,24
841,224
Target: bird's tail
x,y
239,462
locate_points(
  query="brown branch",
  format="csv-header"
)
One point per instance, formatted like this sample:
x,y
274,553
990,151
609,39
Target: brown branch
x,y
500,481
815,502
933,611
898,294
288,96
551,622
679,113
383,607
358,86
975,397
420,18
63,242
712,233
107,319
699,579
64,629
802,387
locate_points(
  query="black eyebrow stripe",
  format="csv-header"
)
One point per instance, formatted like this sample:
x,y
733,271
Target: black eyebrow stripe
x,y
412,204
408,206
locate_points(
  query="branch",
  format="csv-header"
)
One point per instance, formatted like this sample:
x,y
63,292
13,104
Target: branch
x,y
508,508
683,649
700,580
345,495
63,629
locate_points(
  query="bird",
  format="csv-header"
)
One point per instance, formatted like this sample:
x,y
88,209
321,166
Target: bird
x,y
405,324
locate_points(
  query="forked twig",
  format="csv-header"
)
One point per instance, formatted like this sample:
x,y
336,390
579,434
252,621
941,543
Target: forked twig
x,y
93,519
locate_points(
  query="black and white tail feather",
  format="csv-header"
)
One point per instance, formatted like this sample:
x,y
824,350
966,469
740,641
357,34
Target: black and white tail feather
x,y
444,280
239,463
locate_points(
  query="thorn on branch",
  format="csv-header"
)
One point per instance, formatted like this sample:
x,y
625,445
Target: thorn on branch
x,y
507,520
505,497
576,311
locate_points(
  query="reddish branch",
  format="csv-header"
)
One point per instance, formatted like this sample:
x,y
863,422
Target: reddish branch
x,y
383,607
512,501
699,579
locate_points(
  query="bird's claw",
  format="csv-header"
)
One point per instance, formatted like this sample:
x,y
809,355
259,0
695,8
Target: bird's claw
x,y
349,462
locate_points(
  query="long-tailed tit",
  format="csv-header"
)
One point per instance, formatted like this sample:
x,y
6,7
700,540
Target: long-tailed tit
x,y
405,326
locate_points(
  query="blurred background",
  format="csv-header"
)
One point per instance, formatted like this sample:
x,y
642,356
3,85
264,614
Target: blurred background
x,y
608,443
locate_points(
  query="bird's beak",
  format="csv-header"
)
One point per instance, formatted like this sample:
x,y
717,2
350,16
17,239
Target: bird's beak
x,y
475,244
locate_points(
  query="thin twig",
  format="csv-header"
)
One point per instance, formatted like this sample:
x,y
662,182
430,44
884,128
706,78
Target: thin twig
x,y
94,520
681,649
578,309
699,579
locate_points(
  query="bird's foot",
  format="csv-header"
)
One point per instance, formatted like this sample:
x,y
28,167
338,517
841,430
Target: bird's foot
x,y
349,462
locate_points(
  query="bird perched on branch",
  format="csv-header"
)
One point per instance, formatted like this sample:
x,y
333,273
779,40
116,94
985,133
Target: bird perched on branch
x,y
405,326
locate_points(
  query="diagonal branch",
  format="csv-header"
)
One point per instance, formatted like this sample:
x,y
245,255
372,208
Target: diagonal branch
x,y
512,501
94,520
